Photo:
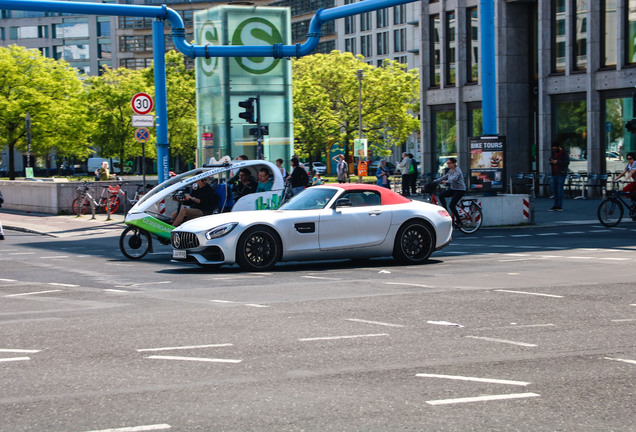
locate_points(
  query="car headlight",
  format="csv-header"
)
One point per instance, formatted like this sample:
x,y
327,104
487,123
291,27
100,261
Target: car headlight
x,y
220,231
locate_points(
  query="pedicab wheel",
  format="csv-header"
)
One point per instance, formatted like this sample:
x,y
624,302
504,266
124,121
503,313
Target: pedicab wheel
x,y
134,242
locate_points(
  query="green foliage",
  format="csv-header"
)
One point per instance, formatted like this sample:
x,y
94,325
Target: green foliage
x,y
326,108
50,91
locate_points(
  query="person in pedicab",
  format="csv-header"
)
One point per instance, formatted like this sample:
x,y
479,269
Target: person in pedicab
x,y
202,201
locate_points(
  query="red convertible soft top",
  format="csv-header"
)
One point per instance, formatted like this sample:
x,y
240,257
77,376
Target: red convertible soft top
x,y
387,196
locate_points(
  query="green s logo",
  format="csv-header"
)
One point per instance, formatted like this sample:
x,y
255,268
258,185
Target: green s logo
x,y
208,34
256,32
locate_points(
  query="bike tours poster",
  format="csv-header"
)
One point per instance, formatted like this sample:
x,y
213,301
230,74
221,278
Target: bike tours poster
x,y
487,161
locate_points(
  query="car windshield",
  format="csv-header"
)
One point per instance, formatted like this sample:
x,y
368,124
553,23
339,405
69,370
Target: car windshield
x,y
310,199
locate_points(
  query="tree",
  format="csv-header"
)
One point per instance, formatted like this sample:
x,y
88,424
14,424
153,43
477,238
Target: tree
x,y
182,119
326,109
108,97
49,91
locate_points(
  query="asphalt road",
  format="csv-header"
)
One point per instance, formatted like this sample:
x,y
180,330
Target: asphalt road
x,y
519,329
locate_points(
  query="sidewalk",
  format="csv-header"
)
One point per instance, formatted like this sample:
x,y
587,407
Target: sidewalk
x,y
63,226
576,212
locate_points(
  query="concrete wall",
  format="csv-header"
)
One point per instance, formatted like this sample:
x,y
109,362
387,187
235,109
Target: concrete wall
x,y
505,209
51,196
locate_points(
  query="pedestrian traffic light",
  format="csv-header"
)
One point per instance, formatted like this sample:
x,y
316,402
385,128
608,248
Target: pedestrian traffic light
x,y
631,126
248,106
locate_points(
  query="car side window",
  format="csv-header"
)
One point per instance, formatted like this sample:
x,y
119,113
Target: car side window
x,y
362,199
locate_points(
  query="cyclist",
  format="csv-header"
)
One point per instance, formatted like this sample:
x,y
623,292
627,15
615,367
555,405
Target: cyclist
x,y
630,174
455,178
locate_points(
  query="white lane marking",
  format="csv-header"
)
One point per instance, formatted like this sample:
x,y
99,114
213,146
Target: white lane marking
x,y
456,252
256,305
598,231
574,232
199,359
408,284
481,398
185,347
22,253
444,323
626,319
154,427
529,293
115,290
465,378
556,247
531,325
321,277
502,341
62,284
514,260
143,283
516,255
494,236
621,360
21,351
10,359
548,234
8,280
551,256
616,259
579,257
521,235
528,247
374,322
32,293
222,301
341,337
55,256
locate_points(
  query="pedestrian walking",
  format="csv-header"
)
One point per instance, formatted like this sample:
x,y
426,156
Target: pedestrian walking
x,y
560,159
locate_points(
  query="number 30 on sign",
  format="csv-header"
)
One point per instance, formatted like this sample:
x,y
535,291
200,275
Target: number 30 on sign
x,y
141,103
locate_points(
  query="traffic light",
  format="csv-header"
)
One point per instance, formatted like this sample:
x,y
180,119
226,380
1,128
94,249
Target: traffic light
x,y
631,126
264,130
248,106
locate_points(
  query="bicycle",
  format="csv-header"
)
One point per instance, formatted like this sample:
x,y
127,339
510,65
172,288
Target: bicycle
x,y
85,200
116,190
468,208
610,211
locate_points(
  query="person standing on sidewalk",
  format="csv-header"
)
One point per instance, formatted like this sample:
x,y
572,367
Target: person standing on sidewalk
x,y
405,169
342,168
560,159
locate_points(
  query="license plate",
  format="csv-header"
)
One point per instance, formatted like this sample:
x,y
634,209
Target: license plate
x,y
179,254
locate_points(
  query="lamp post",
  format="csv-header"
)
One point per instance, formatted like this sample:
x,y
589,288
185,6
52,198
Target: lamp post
x,y
359,75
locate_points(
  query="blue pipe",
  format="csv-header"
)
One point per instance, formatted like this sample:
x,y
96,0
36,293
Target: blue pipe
x,y
488,72
161,101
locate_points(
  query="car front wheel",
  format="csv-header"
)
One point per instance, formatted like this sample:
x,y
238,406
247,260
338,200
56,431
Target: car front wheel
x,y
258,249
414,243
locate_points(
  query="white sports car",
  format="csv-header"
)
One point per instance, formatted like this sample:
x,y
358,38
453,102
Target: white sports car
x,y
343,221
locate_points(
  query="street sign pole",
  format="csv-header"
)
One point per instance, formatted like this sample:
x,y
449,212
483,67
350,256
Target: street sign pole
x,y
259,133
28,139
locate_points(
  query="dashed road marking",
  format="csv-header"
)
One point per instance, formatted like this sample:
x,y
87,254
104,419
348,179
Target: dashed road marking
x,y
374,322
529,293
524,344
341,337
408,284
20,351
143,428
185,347
481,398
199,359
621,360
465,378
12,359
32,293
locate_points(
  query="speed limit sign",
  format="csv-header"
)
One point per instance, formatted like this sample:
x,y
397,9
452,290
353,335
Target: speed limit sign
x,y
141,103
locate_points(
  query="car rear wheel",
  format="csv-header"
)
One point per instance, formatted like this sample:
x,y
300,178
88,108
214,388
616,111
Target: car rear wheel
x,y
258,249
414,243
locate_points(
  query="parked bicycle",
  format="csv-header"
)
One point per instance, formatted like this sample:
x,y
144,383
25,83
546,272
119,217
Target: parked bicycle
x,y
468,208
85,200
610,211
117,190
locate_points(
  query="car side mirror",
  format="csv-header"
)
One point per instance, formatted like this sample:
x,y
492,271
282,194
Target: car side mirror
x,y
343,202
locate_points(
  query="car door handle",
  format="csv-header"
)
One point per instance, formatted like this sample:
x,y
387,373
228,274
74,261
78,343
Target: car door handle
x,y
375,212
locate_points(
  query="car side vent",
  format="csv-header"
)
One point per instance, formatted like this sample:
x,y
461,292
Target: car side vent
x,y
184,240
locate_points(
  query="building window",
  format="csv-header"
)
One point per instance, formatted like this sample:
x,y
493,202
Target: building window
x,y
475,122
72,52
382,43
399,14
104,51
46,51
399,40
450,48
570,127
103,26
473,46
135,43
402,60
13,33
619,141
366,46
382,18
1,33
350,45
350,25
365,21
580,48
558,44
436,62
445,137
135,63
609,36
72,28
631,32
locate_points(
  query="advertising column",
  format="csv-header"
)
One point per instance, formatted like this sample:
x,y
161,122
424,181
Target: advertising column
x,y
487,158
222,83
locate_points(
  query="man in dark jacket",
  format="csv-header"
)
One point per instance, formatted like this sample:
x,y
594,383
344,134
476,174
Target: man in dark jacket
x,y
202,202
559,160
